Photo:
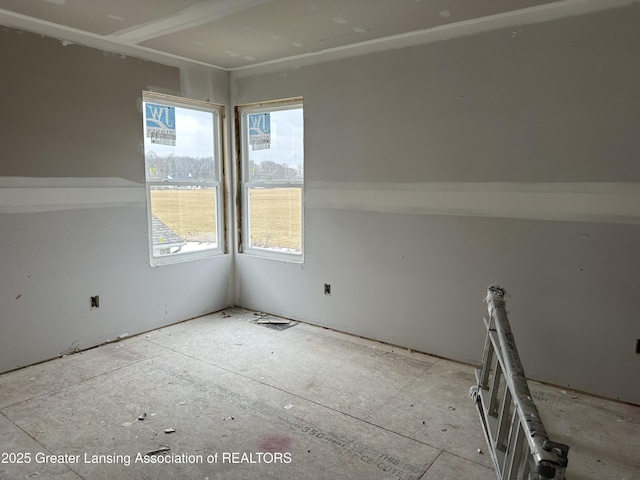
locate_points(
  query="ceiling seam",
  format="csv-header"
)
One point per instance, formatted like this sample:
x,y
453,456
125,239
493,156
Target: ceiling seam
x,y
194,16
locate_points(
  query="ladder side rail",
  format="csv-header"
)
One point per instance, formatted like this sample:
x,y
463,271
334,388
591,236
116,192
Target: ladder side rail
x,y
550,457
487,357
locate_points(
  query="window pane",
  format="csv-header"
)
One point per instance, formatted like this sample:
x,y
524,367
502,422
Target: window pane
x,y
183,159
186,156
275,218
184,219
275,141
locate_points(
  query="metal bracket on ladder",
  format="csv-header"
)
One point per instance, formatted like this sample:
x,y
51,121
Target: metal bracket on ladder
x,y
516,437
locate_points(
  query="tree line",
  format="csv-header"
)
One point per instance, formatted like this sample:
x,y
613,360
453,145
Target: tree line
x,y
179,167
270,170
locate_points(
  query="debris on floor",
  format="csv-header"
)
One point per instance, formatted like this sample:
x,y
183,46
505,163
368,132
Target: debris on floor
x,y
74,348
273,321
480,452
170,430
451,407
225,315
140,418
161,449
288,406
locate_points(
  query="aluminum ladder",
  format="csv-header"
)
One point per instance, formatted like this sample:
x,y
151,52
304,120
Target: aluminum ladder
x,y
516,438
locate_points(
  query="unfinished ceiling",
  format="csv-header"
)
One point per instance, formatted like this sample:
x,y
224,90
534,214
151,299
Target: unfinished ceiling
x,y
233,34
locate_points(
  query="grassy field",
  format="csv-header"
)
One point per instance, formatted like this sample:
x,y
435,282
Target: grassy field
x,y
276,218
275,215
189,213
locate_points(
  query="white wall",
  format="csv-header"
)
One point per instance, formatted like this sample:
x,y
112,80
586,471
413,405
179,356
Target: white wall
x,y
435,170
73,220
431,172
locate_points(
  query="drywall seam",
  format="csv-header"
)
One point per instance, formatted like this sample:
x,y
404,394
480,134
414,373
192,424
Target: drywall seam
x,y
188,18
525,16
68,36
590,202
113,42
29,195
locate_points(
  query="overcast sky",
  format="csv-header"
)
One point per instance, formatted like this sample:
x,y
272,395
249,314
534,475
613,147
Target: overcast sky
x,y
194,137
287,144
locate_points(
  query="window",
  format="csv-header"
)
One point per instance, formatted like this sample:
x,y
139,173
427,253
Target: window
x,y
272,168
183,164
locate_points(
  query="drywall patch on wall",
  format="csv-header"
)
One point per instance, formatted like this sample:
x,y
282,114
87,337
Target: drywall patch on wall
x,y
585,202
32,194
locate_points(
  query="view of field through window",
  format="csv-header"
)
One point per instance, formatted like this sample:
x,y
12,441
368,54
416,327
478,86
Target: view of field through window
x,y
182,159
191,214
276,218
183,176
273,164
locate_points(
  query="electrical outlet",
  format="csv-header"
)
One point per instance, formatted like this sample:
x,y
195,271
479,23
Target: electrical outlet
x,y
327,289
95,302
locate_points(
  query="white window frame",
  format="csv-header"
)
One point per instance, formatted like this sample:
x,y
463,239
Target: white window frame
x,y
246,184
218,112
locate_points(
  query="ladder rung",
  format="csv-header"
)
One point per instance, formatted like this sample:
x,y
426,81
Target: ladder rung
x,y
514,448
495,386
503,422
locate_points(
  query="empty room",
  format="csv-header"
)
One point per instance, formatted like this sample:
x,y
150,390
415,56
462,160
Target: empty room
x,y
320,239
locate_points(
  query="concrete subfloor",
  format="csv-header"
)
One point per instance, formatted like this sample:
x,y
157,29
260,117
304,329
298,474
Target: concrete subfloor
x,y
299,403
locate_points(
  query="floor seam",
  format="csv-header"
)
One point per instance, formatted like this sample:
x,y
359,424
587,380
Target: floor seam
x,y
39,443
308,400
51,392
422,477
395,395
